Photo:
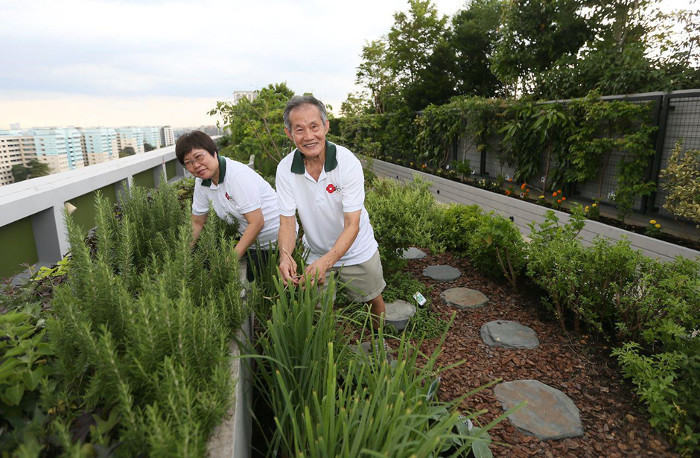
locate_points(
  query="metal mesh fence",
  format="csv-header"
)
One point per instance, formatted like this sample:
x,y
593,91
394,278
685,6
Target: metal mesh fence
x,y
676,116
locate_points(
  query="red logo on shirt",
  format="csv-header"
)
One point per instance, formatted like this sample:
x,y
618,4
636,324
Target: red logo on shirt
x,y
229,197
331,188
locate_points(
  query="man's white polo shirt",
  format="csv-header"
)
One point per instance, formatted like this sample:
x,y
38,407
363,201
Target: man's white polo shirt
x,y
321,204
240,190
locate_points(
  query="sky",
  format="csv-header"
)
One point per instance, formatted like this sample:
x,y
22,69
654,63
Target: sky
x,y
163,62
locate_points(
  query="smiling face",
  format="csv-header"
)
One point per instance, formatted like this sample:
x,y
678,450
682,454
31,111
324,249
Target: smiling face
x,y
200,163
308,131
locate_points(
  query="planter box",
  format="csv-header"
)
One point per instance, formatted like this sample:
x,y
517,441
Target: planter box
x,y
522,213
231,439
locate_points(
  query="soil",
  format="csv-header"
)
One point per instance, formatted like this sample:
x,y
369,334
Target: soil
x,y
614,420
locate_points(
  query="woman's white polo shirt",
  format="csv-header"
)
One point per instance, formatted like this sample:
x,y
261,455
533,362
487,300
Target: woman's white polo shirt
x,y
240,190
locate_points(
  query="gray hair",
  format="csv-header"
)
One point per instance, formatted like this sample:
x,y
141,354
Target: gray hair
x,y
299,100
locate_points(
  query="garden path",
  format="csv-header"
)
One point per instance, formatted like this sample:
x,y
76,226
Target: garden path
x,y
614,424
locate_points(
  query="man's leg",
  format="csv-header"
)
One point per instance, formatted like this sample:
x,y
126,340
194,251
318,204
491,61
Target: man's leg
x,y
378,310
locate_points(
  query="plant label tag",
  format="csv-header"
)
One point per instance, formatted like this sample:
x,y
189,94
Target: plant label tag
x,y
419,298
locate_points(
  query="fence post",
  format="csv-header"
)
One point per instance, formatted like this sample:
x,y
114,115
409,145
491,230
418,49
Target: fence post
x,y
660,120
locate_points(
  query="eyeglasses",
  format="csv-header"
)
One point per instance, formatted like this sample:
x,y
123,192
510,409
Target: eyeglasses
x,y
196,159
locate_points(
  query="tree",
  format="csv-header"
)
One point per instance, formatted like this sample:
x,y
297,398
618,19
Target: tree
x,y
475,33
375,73
127,151
148,147
257,128
535,35
33,169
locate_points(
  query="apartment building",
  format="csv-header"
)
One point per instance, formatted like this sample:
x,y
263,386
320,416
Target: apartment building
x,y
100,145
130,136
15,149
151,135
61,149
167,136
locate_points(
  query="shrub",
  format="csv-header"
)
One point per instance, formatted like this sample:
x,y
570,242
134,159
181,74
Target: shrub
x,y
402,216
496,248
683,184
457,225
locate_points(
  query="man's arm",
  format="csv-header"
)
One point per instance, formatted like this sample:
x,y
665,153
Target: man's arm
x,y
286,239
197,226
256,221
351,227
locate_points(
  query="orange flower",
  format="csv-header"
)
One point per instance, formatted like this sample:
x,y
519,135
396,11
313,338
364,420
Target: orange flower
x,y
554,194
507,192
558,201
522,186
559,191
563,198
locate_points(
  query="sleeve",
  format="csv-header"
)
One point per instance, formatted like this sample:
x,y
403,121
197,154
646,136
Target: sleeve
x,y
285,192
245,189
200,202
353,186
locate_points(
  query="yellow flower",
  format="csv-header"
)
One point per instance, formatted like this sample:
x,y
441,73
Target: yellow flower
x,y
541,197
652,221
595,205
658,226
586,209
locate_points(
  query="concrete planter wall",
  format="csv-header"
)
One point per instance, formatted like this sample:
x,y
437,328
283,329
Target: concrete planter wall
x,y
522,213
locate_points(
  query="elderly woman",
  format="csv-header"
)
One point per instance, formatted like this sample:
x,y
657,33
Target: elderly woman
x,y
235,191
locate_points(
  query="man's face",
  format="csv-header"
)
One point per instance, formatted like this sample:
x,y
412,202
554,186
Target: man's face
x,y
308,132
201,164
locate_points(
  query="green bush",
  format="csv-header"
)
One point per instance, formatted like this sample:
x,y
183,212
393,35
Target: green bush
x,y
141,330
402,216
24,355
496,248
457,225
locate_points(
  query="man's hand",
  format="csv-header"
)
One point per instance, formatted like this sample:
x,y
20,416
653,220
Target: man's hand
x,y
317,271
288,268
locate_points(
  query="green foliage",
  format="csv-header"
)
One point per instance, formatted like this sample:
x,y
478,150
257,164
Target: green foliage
x,y
127,151
458,224
304,351
532,131
257,127
24,355
402,216
33,169
141,328
682,175
497,249
439,127
668,384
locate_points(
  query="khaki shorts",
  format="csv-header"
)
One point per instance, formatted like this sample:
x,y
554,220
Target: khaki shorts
x,y
363,282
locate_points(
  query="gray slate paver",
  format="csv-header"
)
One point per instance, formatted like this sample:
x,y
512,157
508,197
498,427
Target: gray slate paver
x,y
413,253
442,273
509,334
398,313
549,413
464,298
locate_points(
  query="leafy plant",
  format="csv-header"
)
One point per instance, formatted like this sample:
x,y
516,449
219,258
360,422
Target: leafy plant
x,y
682,176
24,368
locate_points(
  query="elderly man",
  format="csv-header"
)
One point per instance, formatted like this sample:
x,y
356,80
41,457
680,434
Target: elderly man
x,y
324,182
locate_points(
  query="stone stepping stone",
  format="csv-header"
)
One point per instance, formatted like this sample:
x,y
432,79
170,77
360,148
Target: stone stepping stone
x,y
413,253
509,334
464,298
442,273
398,313
549,413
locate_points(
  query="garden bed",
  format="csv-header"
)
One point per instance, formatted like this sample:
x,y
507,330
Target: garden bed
x,y
613,418
522,212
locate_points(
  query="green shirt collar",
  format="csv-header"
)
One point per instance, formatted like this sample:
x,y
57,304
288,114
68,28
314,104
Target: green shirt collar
x,y
330,164
222,172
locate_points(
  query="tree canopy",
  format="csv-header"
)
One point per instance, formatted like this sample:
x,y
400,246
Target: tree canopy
x,y
551,49
33,169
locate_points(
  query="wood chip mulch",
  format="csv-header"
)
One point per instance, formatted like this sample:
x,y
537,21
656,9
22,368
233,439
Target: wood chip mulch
x,y
614,420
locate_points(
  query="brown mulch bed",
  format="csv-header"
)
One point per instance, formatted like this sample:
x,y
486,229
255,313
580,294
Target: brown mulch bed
x,y
613,418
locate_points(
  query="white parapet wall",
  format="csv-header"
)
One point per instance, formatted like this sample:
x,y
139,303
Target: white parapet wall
x,y
44,198
523,213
